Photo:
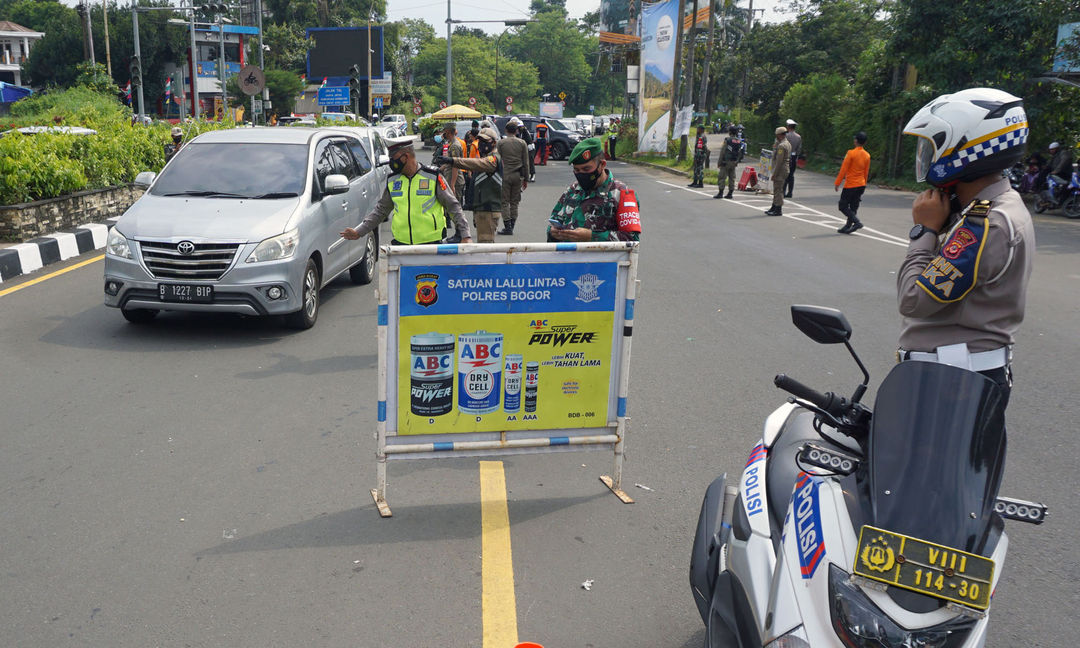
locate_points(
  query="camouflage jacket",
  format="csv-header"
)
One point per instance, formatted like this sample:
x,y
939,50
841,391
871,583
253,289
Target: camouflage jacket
x,y
595,210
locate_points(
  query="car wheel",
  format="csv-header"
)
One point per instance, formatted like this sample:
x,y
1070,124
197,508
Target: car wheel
x,y
138,315
1072,207
558,151
362,273
309,300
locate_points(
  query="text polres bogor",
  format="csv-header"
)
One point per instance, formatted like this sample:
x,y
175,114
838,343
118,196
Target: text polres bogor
x,y
505,288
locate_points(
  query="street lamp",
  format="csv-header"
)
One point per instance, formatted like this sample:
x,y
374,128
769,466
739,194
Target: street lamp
x,y
508,24
449,49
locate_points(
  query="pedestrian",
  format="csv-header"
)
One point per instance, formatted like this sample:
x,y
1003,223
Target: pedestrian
x,y
542,139
513,151
596,206
415,219
853,174
177,143
962,286
486,198
452,146
795,140
730,154
523,133
701,156
613,137
781,158
414,126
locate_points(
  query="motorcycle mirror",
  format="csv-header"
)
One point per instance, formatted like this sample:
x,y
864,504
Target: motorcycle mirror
x,y
820,324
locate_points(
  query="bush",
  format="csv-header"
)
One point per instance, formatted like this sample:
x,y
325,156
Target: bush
x,y
33,167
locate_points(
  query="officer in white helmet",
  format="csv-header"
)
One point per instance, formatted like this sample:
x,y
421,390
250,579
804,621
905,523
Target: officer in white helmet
x,y
963,283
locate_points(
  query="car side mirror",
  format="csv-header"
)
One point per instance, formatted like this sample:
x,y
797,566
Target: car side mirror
x,y
384,159
335,183
145,179
822,325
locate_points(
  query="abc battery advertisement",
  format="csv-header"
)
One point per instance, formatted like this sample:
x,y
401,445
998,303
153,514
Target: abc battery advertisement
x,y
486,348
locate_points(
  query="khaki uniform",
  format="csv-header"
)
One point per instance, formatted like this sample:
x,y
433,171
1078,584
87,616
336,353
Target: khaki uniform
x,y
779,172
969,284
514,154
487,193
725,169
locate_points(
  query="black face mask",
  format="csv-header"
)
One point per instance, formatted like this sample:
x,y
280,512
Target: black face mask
x,y
486,147
475,132
588,181
176,140
396,165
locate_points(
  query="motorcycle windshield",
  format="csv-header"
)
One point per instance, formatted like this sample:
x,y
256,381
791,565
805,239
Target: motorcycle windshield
x,y
937,450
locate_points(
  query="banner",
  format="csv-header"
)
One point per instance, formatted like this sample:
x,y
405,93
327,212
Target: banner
x,y
682,121
658,65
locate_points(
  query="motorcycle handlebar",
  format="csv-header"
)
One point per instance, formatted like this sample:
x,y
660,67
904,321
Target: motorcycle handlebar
x,y
830,402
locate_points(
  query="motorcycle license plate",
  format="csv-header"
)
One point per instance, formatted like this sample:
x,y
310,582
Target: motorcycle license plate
x,y
924,567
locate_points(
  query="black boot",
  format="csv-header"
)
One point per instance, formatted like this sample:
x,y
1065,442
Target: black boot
x,y
855,227
845,228
508,228
719,194
729,195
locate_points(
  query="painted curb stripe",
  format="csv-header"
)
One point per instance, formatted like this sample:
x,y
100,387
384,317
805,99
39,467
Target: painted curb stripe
x,y
498,602
24,258
84,238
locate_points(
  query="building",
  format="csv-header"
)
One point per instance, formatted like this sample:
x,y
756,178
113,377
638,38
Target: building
x,y
15,44
208,48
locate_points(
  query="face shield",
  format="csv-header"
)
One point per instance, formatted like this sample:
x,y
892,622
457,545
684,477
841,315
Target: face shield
x,y
924,157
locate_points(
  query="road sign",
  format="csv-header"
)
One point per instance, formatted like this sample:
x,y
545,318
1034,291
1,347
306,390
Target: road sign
x,y
472,101
417,101
257,106
509,107
417,110
377,102
383,86
442,104
562,95
334,96
592,108
252,80
509,100
563,104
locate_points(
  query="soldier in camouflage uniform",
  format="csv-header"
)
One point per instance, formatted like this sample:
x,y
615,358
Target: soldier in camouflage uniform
x,y
587,210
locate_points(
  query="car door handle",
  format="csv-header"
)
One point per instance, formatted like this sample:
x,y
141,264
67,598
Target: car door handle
x,y
345,204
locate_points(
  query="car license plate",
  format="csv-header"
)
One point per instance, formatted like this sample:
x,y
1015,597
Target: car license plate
x,y
190,293
924,567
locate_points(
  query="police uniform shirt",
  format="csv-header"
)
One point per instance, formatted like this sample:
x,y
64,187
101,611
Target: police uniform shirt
x,y
795,140
515,154
385,207
969,284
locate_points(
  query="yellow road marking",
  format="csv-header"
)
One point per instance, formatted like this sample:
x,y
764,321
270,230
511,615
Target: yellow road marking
x,y
8,291
497,565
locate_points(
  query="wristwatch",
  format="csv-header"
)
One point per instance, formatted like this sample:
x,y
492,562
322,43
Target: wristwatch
x,y
919,230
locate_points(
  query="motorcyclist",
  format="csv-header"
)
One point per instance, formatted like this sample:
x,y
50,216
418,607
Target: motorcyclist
x,y
1061,164
177,143
962,285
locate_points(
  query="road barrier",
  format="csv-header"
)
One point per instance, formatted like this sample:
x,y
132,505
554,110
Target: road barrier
x,y
490,350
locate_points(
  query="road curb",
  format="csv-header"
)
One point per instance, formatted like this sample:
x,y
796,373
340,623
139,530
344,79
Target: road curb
x,y
653,165
24,258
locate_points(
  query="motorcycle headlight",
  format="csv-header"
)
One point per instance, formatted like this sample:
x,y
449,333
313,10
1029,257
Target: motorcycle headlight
x,y
861,624
117,245
278,247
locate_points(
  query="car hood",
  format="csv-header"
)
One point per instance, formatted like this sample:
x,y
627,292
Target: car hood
x,y
231,219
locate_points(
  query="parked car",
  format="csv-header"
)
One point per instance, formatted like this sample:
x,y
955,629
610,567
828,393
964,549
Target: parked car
x,y
346,117
589,122
562,138
247,221
394,125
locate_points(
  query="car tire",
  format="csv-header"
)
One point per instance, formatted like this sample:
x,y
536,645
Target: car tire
x,y
309,300
363,272
558,151
1072,207
139,315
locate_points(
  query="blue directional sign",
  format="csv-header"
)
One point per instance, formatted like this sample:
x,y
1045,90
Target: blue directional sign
x,y
377,102
334,96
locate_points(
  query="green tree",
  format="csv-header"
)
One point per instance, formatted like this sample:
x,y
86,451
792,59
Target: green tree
x,y
326,13
558,49
288,46
284,86
474,72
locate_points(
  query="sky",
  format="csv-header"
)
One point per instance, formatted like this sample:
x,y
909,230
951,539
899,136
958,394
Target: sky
x,y
434,11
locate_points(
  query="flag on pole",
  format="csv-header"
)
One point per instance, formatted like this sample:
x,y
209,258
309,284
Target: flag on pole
x,y
303,82
127,92
168,89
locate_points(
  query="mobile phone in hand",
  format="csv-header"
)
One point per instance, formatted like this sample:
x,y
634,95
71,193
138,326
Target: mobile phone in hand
x,y
558,224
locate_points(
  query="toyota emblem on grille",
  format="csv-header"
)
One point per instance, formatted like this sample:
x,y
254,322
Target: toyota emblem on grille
x,y
185,247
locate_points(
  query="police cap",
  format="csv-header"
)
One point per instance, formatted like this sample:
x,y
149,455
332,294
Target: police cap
x,y
398,144
586,150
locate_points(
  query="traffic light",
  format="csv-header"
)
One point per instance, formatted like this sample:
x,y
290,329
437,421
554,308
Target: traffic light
x,y
135,67
213,8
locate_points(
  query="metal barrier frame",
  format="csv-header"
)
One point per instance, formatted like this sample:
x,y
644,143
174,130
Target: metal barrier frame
x,y
611,436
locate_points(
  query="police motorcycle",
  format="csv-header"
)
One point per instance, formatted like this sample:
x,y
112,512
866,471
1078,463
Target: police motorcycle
x,y
1060,194
857,529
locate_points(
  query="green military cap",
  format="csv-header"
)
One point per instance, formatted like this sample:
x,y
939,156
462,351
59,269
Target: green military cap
x,y
586,150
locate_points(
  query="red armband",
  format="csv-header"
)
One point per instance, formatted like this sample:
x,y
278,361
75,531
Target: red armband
x,y
627,216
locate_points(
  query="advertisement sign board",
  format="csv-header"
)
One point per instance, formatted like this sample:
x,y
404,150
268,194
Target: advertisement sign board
x,y
383,86
657,69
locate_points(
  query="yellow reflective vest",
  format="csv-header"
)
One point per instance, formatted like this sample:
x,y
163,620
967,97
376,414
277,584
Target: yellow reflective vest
x,y
418,217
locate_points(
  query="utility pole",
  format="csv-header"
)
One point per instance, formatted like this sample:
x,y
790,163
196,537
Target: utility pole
x,y
196,108
262,61
703,94
690,56
105,20
675,87
221,65
138,59
449,59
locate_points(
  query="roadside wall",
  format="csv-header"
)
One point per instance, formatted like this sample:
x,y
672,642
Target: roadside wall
x,y
25,221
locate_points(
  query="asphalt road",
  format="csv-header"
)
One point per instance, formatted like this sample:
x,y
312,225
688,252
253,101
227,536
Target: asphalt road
x,y
203,481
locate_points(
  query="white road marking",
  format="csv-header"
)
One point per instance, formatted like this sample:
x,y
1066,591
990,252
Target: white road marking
x,y
830,222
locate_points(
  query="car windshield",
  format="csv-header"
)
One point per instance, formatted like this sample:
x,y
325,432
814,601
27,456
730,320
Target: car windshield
x,y
938,450
558,125
235,170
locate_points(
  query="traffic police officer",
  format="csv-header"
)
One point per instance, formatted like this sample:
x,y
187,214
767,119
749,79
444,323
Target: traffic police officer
x,y
963,283
779,172
419,199
487,183
596,207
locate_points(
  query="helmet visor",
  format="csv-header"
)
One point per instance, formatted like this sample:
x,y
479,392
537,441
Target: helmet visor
x,y
924,157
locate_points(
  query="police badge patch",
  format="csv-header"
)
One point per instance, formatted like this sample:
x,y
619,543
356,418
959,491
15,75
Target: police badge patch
x,y
427,286
952,274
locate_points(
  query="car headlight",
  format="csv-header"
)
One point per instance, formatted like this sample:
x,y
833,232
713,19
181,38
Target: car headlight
x,y
117,245
278,247
794,639
861,624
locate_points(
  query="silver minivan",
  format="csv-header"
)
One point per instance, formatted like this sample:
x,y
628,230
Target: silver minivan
x,y
247,221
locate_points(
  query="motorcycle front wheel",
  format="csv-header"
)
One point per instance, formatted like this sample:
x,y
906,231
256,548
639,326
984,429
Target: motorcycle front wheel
x,y
1040,205
1072,206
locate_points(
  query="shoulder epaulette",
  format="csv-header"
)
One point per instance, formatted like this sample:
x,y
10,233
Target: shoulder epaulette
x,y
978,208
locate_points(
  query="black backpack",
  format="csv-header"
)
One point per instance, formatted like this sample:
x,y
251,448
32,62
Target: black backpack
x,y
732,150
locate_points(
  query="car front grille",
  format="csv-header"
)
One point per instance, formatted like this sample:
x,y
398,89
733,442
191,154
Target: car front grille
x,y
207,261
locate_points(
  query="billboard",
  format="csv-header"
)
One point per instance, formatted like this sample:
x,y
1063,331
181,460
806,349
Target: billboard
x,y
336,49
1067,53
615,17
657,69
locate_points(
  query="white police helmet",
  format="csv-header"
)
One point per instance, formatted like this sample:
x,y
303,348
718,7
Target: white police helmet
x,y
967,135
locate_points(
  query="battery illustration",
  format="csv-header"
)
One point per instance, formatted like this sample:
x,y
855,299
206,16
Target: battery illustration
x,y
479,362
532,382
512,382
432,373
